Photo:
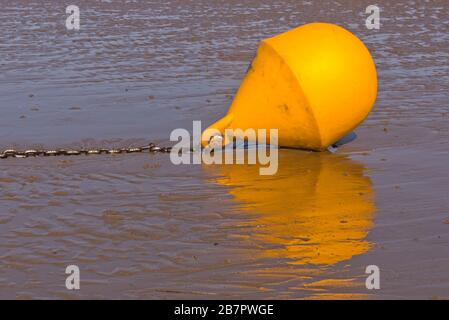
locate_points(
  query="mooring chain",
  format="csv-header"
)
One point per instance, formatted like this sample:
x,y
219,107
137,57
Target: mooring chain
x,y
11,153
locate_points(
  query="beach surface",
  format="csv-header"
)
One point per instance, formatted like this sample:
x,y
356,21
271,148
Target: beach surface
x,y
140,227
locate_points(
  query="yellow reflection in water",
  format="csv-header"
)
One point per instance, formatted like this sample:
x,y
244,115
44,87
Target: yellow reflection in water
x,y
316,210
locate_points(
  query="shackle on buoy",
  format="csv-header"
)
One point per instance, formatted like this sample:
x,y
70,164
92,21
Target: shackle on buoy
x,y
314,83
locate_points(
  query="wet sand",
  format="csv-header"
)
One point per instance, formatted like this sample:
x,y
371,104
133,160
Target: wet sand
x,y
141,227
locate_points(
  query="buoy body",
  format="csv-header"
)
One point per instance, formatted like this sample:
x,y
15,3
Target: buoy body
x,y
314,83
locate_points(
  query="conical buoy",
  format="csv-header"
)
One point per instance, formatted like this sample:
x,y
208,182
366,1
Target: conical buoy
x,y
314,84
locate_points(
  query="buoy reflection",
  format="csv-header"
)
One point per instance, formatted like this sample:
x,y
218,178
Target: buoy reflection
x,y
316,210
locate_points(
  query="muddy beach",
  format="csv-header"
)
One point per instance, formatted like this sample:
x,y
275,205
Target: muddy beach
x,y
140,227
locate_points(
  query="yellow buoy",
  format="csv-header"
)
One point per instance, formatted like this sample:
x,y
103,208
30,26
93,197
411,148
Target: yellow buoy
x,y
314,84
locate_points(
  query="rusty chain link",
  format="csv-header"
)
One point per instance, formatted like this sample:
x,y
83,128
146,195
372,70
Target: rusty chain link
x,y
11,153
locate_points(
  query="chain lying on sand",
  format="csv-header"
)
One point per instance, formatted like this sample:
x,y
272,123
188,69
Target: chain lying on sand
x,y
11,153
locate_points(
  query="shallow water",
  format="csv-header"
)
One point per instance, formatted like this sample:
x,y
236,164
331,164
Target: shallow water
x,y
140,227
